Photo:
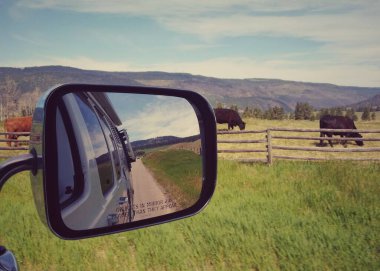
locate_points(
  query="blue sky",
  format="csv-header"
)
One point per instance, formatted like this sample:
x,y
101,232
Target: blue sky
x,y
327,41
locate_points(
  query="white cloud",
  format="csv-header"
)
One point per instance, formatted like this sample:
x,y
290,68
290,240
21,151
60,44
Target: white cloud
x,y
349,51
341,21
90,63
166,117
189,7
81,62
285,67
32,39
343,24
322,71
349,27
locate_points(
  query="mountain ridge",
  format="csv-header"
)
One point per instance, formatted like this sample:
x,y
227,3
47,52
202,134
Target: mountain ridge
x,y
256,92
371,103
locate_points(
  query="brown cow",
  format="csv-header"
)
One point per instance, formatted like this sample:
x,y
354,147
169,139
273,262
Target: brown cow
x,y
339,122
229,116
17,125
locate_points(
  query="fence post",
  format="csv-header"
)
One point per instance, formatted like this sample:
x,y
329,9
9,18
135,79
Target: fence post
x,y
269,147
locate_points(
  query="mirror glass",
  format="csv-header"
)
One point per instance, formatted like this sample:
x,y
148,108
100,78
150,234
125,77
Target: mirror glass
x,y
125,157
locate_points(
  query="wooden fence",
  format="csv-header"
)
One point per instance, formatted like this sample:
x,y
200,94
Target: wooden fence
x,y
20,147
270,146
268,137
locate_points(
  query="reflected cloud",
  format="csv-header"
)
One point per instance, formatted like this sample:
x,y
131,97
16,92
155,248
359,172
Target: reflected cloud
x,y
148,116
162,119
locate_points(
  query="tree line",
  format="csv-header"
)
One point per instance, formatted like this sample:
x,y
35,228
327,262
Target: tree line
x,y
302,111
13,103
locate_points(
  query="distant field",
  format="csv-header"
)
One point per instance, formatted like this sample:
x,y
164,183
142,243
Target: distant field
x,y
259,124
291,216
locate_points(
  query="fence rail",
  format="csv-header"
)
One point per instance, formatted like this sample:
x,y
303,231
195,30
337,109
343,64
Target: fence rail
x,y
322,130
324,138
270,146
242,141
15,141
15,133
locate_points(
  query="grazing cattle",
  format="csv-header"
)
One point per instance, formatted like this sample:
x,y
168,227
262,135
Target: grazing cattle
x,y
338,122
229,116
17,125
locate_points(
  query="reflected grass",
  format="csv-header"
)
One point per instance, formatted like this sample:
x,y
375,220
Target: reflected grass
x,y
179,172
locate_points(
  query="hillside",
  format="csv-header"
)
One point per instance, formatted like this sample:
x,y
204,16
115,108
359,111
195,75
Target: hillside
x,y
161,141
371,102
28,83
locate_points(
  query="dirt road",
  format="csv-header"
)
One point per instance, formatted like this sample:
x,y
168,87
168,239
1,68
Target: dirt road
x,y
150,199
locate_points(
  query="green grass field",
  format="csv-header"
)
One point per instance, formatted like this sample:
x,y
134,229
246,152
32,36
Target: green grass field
x,y
291,216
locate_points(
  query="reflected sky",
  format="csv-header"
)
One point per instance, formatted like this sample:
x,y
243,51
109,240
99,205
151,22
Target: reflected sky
x,y
149,116
92,124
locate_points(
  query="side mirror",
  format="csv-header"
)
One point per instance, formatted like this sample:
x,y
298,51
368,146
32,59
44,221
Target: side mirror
x,y
107,159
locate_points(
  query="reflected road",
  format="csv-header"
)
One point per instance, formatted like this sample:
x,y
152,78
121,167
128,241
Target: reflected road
x,y
150,199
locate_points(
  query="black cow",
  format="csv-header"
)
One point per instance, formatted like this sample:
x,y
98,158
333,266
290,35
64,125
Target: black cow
x,y
229,116
338,122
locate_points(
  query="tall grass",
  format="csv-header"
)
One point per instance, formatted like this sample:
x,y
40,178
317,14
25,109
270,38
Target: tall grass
x,y
291,216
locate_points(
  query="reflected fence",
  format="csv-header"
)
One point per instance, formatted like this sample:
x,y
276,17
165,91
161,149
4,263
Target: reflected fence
x,y
15,144
267,139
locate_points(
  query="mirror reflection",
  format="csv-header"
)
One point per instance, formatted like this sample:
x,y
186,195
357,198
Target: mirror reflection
x,y
125,157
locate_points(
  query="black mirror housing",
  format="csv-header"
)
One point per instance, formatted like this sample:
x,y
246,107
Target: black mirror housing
x,y
44,140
